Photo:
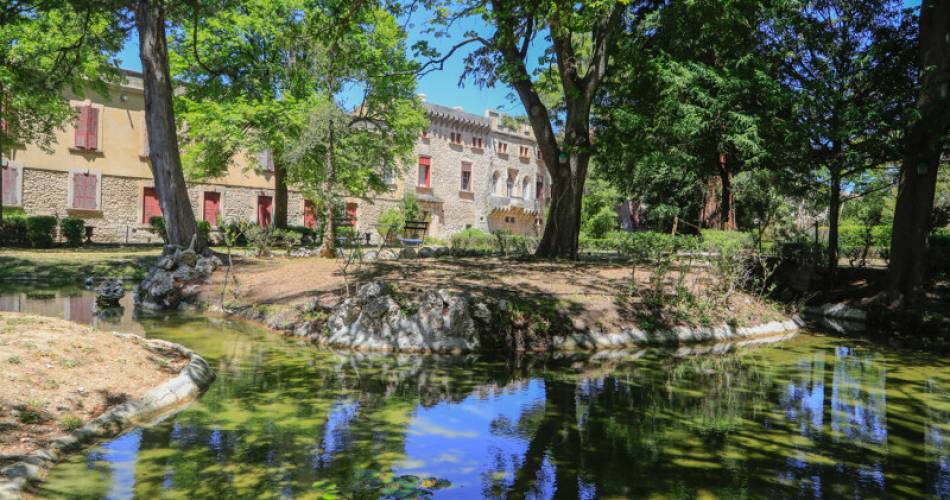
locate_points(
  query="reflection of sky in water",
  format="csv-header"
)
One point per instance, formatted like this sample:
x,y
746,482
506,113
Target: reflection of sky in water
x,y
120,454
455,441
335,436
858,404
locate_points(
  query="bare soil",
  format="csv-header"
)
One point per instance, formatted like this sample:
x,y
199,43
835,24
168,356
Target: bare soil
x,y
590,293
58,375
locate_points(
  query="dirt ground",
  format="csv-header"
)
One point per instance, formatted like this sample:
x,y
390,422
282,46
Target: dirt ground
x,y
590,292
57,375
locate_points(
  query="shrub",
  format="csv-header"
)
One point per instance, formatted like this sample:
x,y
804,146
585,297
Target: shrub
x,y
40,230
390,223
472,239
204,230
13,232
73,230
714,239
158,225
308,235
646,246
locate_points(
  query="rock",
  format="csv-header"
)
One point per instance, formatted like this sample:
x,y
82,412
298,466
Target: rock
x,y
407,253
166,263
387,255
441,251
109,292
186,257
426,253
370,256
169,250
370,290
206,265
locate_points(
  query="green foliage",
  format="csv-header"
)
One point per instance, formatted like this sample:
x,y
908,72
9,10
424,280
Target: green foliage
x,y
41,230
472,239
157,223
204,230
73,230
13,232
410,207
390,223
598,207
371,484
70,423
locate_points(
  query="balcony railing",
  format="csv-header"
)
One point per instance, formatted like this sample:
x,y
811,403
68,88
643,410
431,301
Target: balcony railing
x,y
514,202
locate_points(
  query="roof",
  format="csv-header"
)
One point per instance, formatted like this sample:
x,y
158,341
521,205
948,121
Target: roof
x,y
457,115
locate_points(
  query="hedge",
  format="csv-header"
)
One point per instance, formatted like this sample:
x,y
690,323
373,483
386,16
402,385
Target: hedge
x,y
73,230
13,232
41,230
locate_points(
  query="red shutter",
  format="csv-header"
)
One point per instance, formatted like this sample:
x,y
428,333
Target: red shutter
x,y
351,212
150,205
79,138
264,210
309,217
92,129
9,186
212,202
84,191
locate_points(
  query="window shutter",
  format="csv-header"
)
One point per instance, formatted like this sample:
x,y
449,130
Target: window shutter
x,y
84,191
9,186
92,128
266,160
79,138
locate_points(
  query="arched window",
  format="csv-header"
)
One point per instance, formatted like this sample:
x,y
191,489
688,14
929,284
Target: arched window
x,y
494,183
510,187
525,188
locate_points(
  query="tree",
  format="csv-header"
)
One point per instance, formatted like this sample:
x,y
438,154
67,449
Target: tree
x,y
245,88
923,146
850,64
346,47
46,48
579,41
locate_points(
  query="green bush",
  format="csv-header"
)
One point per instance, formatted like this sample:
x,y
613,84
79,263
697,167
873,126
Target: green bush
x,y
308,235
646,246
204,230
472,239
73,230
714,239
158,224
390,223
13,232
41,230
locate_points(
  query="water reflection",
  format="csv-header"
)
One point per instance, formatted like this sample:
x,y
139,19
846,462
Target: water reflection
x,y
805,417
73,304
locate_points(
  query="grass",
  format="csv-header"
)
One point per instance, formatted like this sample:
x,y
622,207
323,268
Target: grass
x,y
70,423
65,265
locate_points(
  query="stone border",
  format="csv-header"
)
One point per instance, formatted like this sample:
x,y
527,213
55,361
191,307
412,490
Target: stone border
x,y
190,382
837,311
679,335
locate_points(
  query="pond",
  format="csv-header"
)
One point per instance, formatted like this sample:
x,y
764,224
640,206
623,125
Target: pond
x,y
806,416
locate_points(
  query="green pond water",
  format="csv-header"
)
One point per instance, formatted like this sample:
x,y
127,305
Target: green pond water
x,y
804,417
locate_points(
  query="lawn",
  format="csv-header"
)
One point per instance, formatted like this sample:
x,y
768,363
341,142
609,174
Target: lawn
x,y
62,265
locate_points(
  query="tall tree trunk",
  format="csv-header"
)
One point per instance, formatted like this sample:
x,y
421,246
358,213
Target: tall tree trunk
x,y
728,210
165,159
280,196
3,145
563,223
922,150
329,231
834,213
709,216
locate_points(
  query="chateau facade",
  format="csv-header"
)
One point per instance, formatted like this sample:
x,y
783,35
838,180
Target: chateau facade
x,y
468,171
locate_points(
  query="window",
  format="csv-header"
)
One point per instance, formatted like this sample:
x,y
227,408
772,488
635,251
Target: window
x,y
455,137
212,204
351,213
309,214
85,191
539,188
524,152
389,177
266,160
477,142
264,210
503,148
494,183
525,188
510,187
86,136
425,133
150,205
425,164
537,153
466,176
11,186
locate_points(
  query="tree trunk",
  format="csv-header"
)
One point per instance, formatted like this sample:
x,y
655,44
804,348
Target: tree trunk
x,y
329,231
709,217
834,212
3,144
728,210
165,159
563,223
280,196
922,150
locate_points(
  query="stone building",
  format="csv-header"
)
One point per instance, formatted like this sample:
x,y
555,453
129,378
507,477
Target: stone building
x,y
469,171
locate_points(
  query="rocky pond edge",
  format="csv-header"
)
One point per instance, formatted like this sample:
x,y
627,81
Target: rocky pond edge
x,y
447,322
156,404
